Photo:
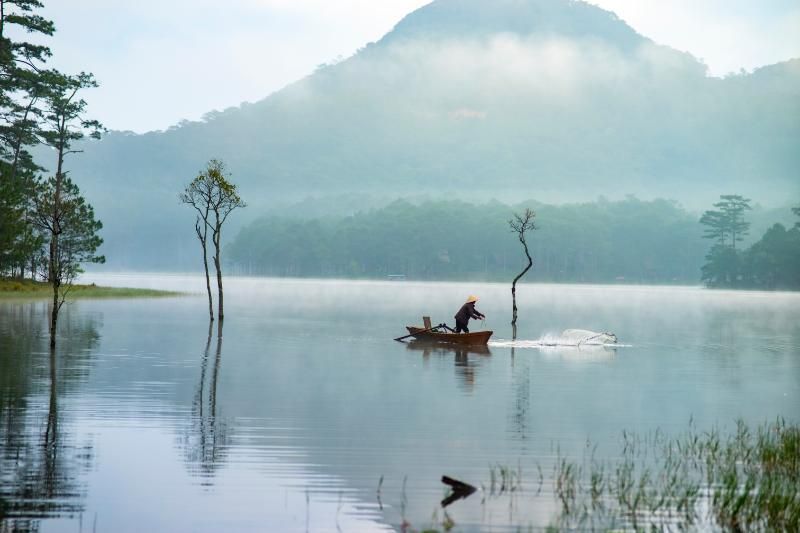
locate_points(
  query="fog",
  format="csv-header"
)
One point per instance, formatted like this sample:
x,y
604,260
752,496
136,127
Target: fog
x,y
564,71
635,314
476,106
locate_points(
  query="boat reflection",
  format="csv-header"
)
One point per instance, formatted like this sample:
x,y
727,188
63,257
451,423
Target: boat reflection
x,y
465,366
428,348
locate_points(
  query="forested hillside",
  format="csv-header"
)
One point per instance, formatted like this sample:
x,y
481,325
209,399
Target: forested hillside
x,y
549,99
630,241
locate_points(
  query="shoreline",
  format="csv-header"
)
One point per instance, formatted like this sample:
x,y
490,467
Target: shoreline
x,y
36,290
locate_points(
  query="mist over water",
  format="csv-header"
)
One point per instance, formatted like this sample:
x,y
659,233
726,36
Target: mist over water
x,y
292,417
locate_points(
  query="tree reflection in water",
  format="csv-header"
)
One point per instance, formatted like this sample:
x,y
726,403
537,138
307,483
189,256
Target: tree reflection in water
x,y
42,467
205,442
465,366
521,382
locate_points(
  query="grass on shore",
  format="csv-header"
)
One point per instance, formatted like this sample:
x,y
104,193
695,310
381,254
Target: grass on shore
x,y
14,288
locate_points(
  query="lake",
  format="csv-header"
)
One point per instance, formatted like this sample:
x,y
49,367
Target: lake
x,y
305,415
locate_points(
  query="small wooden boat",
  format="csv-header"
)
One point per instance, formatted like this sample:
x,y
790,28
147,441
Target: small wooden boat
x,y
466,339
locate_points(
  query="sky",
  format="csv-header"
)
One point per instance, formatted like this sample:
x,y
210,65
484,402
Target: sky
x,y
162,61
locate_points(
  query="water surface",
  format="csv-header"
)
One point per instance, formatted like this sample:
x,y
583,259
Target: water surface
x,y
305,415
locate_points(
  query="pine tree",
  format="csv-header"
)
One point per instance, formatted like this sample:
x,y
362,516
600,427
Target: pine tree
x,y
727,225
727,221
733,207
64,216
22,84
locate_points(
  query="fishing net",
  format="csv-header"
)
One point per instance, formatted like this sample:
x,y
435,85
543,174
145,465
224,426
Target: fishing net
x,y
568,338
578,337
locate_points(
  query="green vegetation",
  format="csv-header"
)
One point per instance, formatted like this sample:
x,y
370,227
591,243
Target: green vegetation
x,y
16,288
629,241
773,262
47,229
727,221
744,481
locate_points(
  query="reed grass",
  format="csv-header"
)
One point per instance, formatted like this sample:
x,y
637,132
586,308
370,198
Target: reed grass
x,y
748,480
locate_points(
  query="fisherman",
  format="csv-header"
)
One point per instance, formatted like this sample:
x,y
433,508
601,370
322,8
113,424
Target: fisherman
x,y
466,312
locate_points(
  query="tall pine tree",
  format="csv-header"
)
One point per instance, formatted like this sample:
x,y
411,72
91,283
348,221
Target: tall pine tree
x,y
63,216
22,85
725,224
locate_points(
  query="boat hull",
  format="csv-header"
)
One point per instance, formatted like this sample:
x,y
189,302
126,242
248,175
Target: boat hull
x,y
477,338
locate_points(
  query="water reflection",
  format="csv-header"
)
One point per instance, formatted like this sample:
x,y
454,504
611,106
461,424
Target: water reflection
x,y
42,467
314,404
205,443
521,384
579,354
466,367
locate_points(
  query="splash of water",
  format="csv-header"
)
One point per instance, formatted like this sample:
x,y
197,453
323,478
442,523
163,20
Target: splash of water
x,y
574,338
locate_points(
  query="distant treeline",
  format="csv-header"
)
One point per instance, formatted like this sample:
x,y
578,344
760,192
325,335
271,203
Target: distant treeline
x,y
773,262
628,241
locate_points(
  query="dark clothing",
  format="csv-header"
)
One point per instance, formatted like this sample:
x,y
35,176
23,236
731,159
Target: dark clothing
x,y
466,312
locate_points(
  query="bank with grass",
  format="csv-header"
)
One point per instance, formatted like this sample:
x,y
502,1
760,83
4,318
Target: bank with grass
x,y
28,289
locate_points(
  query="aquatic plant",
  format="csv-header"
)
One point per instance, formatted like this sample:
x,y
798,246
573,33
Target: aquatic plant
x,y
746,480
742,480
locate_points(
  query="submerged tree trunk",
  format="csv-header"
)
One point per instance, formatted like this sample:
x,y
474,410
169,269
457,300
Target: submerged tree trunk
x,y
514,311
212,397
203,237
218,265
520,224
208,285
514,288
54,315
54,268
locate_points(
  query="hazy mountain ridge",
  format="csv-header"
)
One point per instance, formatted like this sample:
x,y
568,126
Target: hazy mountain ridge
x,y
476,18
553,99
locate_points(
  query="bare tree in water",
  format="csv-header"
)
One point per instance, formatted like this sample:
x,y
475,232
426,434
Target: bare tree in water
x,y
195,195
521,224
214,198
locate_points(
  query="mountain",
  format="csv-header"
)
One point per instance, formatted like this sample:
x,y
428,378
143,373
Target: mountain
x,y
556,100
470,19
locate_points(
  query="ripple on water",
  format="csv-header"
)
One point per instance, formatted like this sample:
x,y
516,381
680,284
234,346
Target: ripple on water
x,y
307,416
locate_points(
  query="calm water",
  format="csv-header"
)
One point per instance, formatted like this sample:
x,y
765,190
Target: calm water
x,y
305,415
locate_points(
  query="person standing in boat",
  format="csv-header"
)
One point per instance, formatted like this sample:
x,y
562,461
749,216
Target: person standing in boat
x,y
466,312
